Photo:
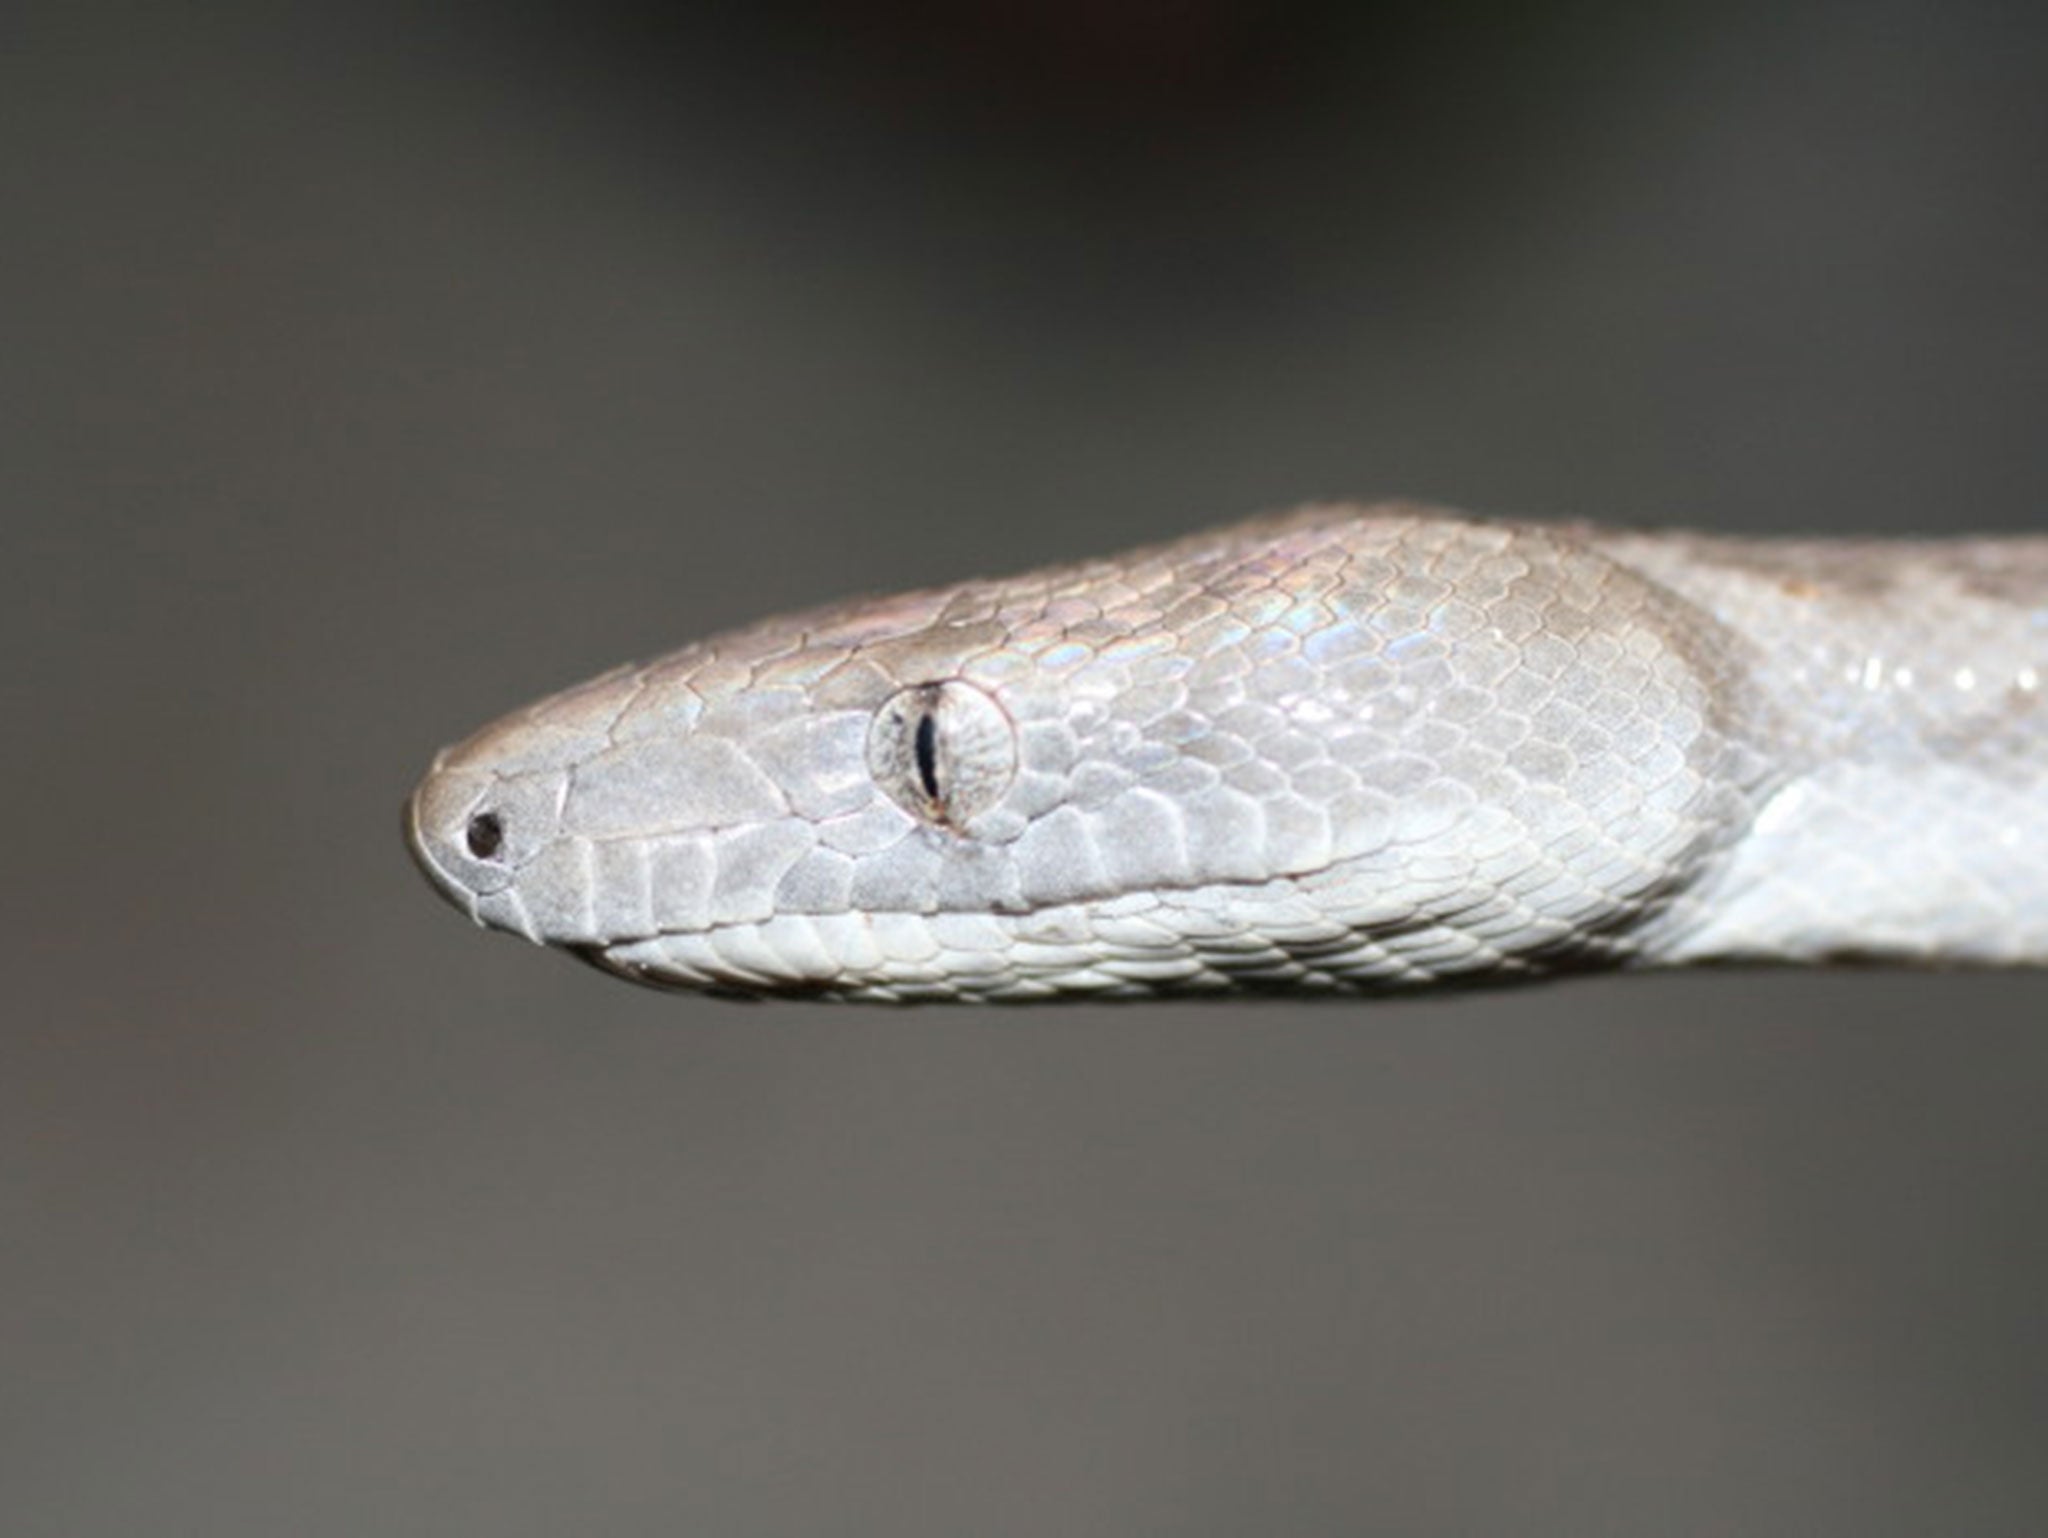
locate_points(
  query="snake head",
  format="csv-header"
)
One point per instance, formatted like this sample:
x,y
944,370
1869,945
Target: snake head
x,y
1331,751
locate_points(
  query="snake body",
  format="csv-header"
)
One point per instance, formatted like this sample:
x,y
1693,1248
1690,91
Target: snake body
x,y
1337,750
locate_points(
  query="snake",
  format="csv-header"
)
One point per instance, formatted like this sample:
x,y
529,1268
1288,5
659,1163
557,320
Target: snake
x,y
1335,751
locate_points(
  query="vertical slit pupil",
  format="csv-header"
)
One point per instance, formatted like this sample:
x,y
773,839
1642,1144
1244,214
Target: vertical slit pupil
x,y
926,746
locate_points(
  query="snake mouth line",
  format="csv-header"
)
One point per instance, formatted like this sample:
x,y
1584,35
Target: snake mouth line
x,y
1324,953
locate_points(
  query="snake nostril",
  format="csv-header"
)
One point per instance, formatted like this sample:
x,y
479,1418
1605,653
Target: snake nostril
x,y
485,835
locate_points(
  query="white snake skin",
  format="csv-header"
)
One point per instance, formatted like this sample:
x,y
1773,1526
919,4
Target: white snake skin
x,y
1339,750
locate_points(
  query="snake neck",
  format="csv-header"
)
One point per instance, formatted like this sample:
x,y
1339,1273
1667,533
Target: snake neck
x,y
1905,693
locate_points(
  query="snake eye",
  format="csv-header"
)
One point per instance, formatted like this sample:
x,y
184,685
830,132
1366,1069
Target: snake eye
x,y
485,834
943,751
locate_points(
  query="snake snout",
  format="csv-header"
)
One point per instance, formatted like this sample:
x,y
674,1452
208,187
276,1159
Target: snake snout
x,y
457,844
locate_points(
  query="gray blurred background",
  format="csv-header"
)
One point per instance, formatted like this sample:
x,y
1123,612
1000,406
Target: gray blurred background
x,y
368,369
